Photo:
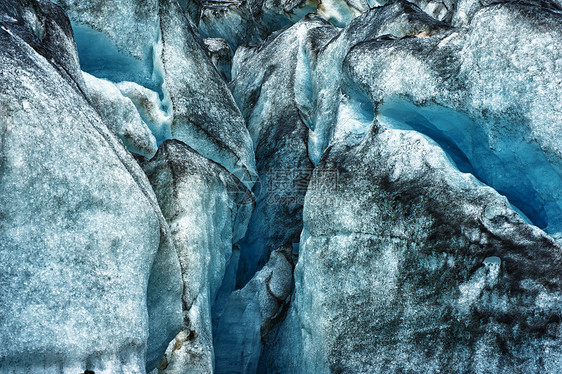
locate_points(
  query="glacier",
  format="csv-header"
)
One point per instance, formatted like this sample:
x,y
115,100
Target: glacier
x,y
280,186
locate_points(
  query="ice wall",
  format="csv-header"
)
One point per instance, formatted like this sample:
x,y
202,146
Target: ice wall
x,y
208,210
411,265
80,227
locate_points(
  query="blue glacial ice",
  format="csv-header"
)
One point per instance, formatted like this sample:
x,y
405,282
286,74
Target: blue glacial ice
x,y
516,169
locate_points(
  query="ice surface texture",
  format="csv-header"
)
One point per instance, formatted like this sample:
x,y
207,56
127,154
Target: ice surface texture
x,y
427,237
80,226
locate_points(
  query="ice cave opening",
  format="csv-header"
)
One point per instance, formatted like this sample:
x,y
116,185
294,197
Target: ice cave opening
x,y
517,169
102,59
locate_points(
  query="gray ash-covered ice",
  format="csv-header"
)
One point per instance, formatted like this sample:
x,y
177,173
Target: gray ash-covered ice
x,y
207,209
164,292
80,227
410,265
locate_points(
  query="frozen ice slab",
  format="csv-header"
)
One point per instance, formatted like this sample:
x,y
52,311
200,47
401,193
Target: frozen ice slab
x,y
207,209
459,13
121,116
410,265
518,170
342,12
80,228
205,115
155,111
